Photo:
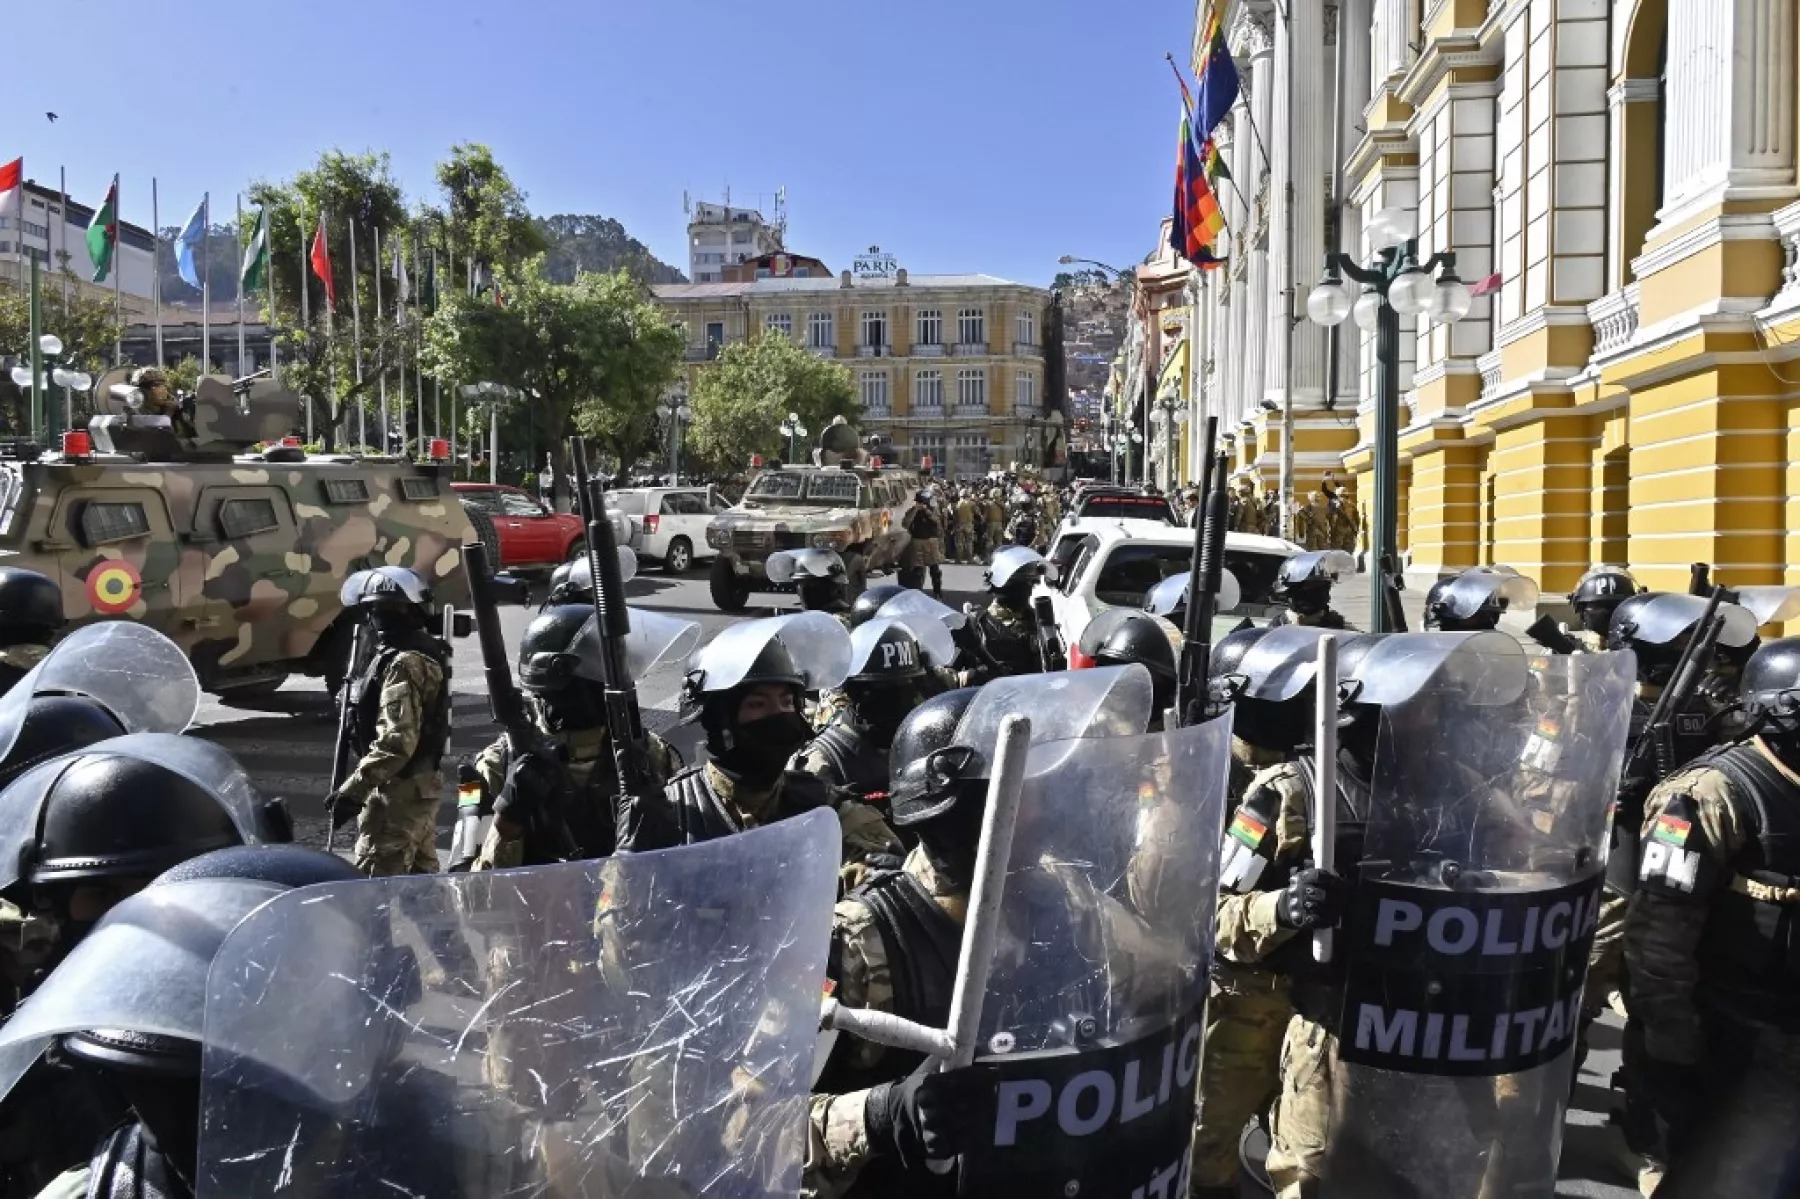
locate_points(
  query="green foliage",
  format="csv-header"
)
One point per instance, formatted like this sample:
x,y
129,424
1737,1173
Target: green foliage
x,y
594,355
741,400
86,326
599,245
483,214
184,375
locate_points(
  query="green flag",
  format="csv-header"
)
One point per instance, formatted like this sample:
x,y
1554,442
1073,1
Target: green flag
x,y
103,232
255,274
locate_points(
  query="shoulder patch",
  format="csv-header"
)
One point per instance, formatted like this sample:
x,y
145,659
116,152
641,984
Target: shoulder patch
x,y
1673,860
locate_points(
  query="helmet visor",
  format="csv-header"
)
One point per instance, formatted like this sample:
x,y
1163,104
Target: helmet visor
x,y
1282,662
653,640
916,603
581,575
1171,594
1668,615
1485,668
1770,605
1063,706
818,644
1315,565
1468,593
135,672
1009,562
868,655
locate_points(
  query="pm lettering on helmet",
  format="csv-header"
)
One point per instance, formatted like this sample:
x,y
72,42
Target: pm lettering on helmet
x,y
903,653
1420,993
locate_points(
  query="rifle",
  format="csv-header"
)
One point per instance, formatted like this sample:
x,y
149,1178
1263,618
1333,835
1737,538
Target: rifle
x,y
1699,579
545,813
1547,633
624,721
341,765
1690,669
1391,583
1203,586
1052,656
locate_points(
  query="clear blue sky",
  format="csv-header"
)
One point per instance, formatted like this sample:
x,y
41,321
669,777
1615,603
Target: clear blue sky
x,y
963,135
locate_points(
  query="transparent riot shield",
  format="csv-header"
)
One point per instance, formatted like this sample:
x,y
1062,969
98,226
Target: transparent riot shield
x,y
1466,945
916,603
818,644
134,672
1089,1035
653,640
1171,594
642,1026
581,574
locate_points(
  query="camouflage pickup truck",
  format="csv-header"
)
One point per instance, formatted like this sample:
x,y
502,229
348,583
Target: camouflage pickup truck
x,y
857,510
235,555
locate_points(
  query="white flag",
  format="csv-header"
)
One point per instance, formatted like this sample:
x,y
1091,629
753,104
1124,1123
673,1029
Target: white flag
x,y
402,285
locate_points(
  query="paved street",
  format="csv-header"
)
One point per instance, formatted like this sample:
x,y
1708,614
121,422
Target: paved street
x,y
286,742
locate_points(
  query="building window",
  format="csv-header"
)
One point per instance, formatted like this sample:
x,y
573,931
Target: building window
x,y
928,389
1026,396
801,272
971,388
971,327
708,259
780,322
874,329
932,445
1027,327
875,392
715,334
763,272
819,334
931,327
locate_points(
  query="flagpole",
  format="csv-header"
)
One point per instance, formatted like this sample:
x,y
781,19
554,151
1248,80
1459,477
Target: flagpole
x,y
206,283
19,225
362,415
306,319
243,368
156,266
118,272
381,374
62,174
419,348
330,324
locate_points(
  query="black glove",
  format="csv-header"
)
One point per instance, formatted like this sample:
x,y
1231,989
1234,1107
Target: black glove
x,y
924,1117
883,861
531,779
342,809
1313,898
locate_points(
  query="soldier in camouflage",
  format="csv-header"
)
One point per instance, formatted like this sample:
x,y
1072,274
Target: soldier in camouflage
x,y
1001,639
31,615
1304,584
158,399
894,947
1245,514
993,526
400,728
568,709
1709,950
962,541
888,672
1597,595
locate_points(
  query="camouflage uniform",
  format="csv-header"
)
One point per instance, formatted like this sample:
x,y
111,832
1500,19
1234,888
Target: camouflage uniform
x,y
582,750
30,944
996,524
16,662
397,780
838,1142
963,546
1248,1007
1245,512
1326,619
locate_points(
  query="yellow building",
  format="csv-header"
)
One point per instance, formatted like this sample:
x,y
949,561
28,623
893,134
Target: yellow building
x,y
950,366
1624,172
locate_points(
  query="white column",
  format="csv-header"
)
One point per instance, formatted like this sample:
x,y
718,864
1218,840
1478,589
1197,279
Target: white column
x,y
1730,100
1303,158
1357,16
1263,81
1392,28
1228,281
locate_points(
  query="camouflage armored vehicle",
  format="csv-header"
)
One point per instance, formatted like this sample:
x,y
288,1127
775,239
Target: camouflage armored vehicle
x,y
236,555
847,502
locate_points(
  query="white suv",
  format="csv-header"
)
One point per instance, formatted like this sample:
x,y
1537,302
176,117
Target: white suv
x,y
668,523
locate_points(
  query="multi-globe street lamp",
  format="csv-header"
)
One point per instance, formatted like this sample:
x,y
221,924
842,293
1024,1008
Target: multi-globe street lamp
x,y
1173,414
792,429
1393,284
675,413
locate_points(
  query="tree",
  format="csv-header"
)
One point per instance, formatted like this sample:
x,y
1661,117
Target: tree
x,y
86,326
599,244
594,355
740,401
349,189
484,215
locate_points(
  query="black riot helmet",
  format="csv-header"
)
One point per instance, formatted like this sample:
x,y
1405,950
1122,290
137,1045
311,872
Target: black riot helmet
x,y
112,815
1122,636
1229,653
892,658
1304,581
55,725
1476,599
930,775
31,608
1598,595
547,658
864,606
1770,688
393,597
1656,626
1012,572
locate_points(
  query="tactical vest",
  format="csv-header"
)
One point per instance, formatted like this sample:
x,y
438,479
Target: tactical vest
x,y
701,815
1750,955
856,765
1006,650
925,526
1688,739
1315,984
434,725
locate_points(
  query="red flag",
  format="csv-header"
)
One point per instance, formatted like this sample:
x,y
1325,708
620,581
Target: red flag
x,y
1484,286
12,175
321,263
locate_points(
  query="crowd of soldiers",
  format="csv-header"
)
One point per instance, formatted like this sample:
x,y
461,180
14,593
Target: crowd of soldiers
x,y
1644,763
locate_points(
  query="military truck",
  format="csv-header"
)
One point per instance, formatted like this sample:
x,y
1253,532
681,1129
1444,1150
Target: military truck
x,y
215,527
846,501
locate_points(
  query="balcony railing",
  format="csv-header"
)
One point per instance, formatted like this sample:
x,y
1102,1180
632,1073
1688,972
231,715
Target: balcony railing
x,y
1615,320
968,410
928,411
705,353
877,412
928,349
969,349
1027,349
879,351
823,351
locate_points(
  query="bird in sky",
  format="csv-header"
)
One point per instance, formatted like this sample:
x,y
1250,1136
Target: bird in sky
x,y
51,116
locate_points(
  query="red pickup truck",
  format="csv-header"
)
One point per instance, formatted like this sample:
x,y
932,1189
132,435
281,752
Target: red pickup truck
x,y
531,536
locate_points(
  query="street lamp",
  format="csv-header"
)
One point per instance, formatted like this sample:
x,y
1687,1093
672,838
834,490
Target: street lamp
x,y
49,347
675,411
493,395
1394,284
71,382
791,428
1173,413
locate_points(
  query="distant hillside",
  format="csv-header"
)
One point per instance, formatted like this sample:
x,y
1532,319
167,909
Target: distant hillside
x,y
599,243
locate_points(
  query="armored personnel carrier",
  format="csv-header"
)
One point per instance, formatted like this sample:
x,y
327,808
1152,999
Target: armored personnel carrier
x,y
846,501
214,527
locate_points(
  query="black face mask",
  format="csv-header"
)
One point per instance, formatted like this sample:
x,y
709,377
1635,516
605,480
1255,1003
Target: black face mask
x,y
1595,618
881,709
571,707
952,840
1016,596
760,750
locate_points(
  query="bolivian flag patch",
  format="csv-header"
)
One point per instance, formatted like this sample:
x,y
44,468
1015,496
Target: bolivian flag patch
x,y
1671,830
1248,829
468,795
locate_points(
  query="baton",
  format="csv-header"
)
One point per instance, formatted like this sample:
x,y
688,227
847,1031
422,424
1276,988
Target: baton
x,y
1325,741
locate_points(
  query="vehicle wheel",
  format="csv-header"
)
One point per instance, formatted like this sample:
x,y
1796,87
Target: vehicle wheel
x,y
729,593
488,536
679,557
577,550
856,574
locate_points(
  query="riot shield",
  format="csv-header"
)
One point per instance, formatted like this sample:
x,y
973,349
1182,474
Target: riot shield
x,y
911,602
1090,1027
817,642
1172,593
1474,907
1009,561
644,1026
653,640
204,764
1107,701
134,672
1667,615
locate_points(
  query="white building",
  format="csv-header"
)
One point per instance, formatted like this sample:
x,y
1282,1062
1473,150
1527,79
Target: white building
x,y
48,233
720,235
